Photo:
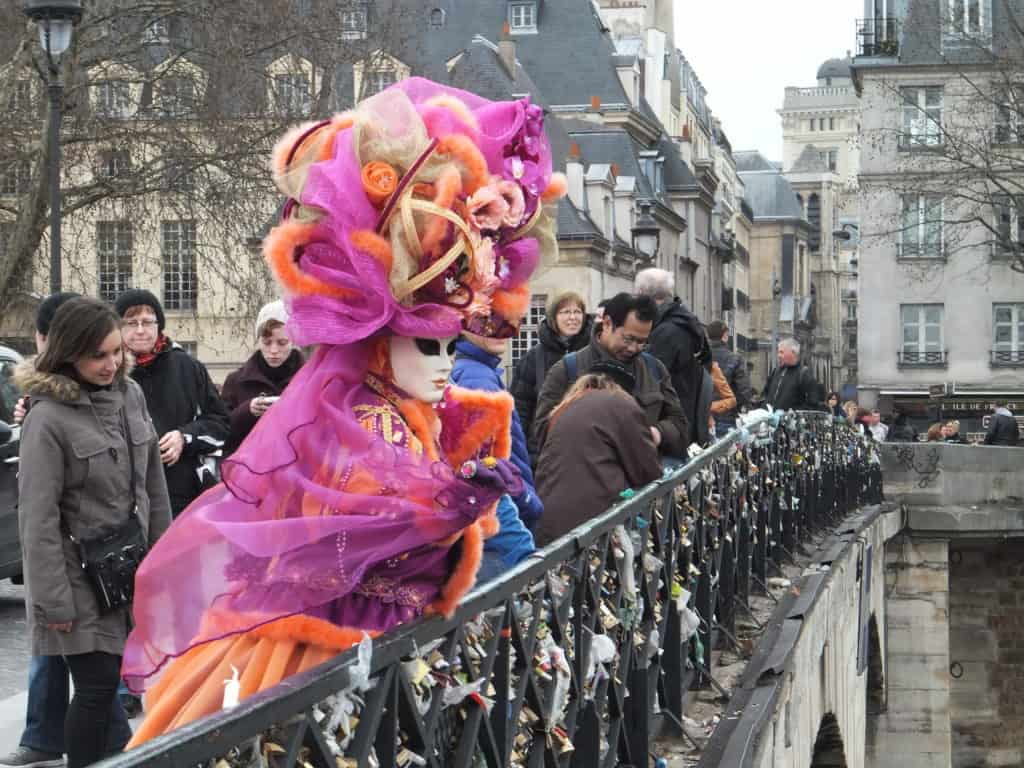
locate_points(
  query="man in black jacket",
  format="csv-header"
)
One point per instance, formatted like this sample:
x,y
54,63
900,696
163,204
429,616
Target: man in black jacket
x,y
792,386
734,368
1003,428
186,410
679,342
625,328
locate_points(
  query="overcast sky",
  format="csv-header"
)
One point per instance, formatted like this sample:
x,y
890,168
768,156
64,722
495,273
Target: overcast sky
x,y
746,52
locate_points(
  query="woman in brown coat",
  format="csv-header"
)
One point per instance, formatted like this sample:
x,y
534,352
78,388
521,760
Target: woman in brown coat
x,y
598,445
77,479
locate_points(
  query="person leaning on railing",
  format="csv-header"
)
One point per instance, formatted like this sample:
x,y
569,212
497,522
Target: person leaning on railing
x,y
597,446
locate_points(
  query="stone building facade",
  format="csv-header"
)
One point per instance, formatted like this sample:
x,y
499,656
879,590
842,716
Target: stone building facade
x,y
781,296
941,306
821,152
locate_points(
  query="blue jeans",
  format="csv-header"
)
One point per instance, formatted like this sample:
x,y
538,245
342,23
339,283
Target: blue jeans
x,y
48,694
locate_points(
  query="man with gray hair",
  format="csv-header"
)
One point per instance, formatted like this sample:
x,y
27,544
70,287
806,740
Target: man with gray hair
x,y
792,385
679,342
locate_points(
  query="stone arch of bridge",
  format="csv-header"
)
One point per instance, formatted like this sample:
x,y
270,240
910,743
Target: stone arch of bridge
x,y
876,671
829,751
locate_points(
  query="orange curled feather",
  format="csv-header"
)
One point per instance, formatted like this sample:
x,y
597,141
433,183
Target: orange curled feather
x,y
339,123
466,152
464,575
279,250
375,245
557,188
284,147
457,107
512,304
321,139
449,185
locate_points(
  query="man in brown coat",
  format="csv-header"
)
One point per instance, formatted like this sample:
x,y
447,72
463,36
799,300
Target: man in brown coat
x,y
625,327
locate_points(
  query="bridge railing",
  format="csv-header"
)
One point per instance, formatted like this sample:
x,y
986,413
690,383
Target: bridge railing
x,y
570,657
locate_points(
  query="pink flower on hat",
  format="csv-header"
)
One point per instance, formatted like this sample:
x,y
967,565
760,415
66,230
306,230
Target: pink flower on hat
x,y
512,193
487,208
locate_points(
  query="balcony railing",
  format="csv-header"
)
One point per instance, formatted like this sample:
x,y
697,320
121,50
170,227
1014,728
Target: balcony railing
x,y
742,301
919,252
878,37
914,358
1006,249
728,304
923,142
1008,358
1009,133
659,577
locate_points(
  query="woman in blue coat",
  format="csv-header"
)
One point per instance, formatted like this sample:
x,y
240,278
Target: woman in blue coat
x,y
478,366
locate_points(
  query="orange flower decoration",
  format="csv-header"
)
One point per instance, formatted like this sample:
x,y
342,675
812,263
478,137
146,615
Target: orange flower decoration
x,y
379,182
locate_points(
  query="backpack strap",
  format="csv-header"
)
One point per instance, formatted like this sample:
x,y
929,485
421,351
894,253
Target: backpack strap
x,y
571,368
652,366
540,369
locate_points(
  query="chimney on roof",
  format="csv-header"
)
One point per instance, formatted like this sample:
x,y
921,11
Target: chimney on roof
x,y
595,103
615,171
507,50
574,176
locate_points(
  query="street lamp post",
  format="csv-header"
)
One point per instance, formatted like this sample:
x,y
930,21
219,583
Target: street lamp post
x,y
844,234
646,233
56,20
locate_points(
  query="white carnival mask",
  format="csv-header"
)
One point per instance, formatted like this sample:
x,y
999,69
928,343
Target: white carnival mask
x,y
422,366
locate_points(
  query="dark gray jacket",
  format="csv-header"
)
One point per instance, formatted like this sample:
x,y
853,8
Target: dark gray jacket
x,y
657,398
1002,430
678,340
735,370
74,468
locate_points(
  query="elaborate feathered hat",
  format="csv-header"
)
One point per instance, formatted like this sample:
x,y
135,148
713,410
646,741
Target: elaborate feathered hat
x,y
423,211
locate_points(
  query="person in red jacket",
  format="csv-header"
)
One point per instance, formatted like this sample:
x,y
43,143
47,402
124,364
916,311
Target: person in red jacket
x,y
250,391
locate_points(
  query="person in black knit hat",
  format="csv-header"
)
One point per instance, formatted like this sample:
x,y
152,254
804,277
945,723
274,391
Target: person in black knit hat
x,y
186,410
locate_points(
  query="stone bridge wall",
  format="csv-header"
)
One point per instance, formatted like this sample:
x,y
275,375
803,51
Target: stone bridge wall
x,y
957,486
954,609
986,652
803,699
941,684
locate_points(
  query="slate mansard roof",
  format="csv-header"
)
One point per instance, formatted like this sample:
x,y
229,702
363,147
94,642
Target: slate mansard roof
x,y
570,55
767,191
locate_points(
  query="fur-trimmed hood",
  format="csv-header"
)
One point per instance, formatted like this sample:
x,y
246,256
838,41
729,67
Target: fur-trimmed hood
x,y
57,386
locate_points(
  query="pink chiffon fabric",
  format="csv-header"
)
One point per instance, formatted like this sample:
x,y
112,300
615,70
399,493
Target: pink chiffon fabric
x,y
286,532
283,534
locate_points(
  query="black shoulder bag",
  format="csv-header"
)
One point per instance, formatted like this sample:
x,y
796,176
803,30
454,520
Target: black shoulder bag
x,y
111,558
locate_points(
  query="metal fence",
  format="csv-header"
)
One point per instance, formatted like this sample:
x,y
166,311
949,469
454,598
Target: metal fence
x,y
576,656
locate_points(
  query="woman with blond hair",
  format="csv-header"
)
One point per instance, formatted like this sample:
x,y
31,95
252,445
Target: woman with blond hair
x,y
566,328
597,447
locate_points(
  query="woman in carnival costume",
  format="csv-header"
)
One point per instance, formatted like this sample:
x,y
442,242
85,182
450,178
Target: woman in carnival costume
x,y
361,500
